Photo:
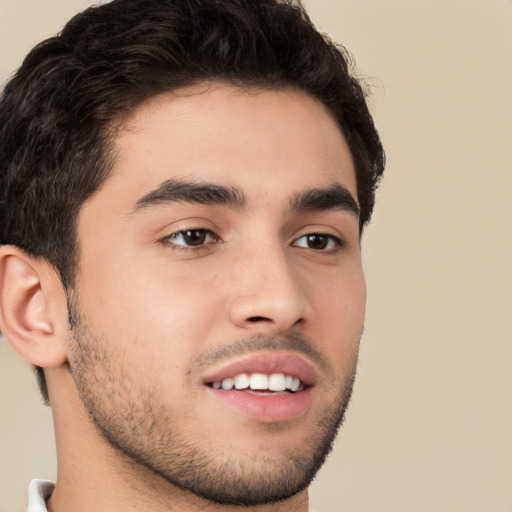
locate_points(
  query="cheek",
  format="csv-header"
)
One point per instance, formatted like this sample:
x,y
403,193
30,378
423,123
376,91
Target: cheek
x,y
187,297
194,296
339,315
159,308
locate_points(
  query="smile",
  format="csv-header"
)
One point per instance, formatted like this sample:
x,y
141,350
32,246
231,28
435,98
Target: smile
x,y
260,382
267,386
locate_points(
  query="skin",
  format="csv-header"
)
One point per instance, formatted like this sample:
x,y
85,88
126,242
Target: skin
x,y
149,308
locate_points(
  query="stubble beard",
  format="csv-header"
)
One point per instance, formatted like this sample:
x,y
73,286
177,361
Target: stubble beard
x,y
136,423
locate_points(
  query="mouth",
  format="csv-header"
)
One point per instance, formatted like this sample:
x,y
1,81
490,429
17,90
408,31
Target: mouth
x,y
260,383
268,386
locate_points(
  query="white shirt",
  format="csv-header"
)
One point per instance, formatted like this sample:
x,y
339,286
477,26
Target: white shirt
x,y
38,492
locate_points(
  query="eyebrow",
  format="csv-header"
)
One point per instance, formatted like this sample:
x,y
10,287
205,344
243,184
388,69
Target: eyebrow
x,y
181,191
334,197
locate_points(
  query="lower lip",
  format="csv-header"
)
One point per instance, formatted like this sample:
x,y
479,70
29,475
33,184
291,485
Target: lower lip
x,y
266,408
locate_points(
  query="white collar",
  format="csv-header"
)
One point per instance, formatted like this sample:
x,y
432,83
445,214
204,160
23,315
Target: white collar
x,y
38,492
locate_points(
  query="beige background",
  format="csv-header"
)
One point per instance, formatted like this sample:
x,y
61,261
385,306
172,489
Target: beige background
x,y
430,426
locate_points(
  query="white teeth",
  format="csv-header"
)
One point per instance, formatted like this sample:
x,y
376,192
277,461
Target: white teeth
x,y
227,384
242,381
277,382
260,381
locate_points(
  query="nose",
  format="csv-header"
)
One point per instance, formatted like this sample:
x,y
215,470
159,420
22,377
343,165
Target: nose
x,y
267,293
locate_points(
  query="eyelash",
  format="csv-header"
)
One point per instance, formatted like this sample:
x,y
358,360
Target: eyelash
x,y
335,242
184,247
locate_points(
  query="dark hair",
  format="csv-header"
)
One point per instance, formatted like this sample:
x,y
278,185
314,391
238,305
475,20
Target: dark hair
x,y
58,112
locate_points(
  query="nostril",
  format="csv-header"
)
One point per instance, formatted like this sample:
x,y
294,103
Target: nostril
x,y
255,319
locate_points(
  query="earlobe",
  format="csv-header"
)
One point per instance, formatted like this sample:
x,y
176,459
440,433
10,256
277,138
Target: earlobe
x,y
26,318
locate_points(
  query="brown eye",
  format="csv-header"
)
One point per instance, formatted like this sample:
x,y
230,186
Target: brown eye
x,y
191,237
318,242
195,237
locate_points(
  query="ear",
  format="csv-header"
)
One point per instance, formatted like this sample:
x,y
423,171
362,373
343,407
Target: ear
x,y
33,310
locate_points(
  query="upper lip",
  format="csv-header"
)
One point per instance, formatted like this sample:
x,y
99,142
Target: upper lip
x,y
267,361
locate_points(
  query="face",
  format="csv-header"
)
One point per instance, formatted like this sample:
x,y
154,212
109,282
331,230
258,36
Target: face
x,y
220,295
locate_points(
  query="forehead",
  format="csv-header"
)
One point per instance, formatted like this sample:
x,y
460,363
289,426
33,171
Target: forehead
x,y
259,140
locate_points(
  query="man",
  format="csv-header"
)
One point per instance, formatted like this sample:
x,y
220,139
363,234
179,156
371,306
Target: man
x,y
184,184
